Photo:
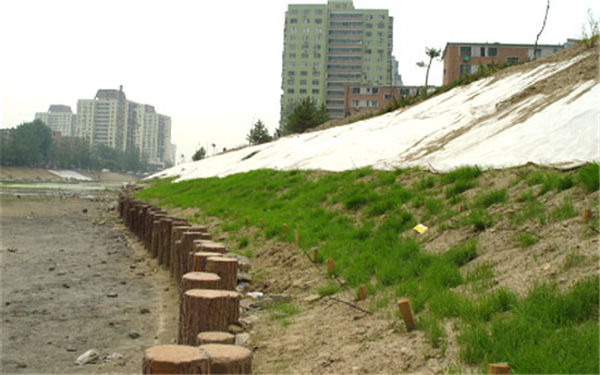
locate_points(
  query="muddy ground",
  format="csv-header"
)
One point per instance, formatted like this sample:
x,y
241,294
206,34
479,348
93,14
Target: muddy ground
x,y
73,280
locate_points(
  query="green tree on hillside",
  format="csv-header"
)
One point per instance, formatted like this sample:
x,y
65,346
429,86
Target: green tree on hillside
x,y
432,53
306,115
259,134
199,155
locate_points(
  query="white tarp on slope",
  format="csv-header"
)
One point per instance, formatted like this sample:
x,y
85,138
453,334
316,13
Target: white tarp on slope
x,y
70,175
461,127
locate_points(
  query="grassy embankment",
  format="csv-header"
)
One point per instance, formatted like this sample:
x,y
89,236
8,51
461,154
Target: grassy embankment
x,y
363,219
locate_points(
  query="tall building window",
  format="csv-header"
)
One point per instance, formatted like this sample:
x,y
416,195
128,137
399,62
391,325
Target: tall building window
x,y
293,20
493,51
465,51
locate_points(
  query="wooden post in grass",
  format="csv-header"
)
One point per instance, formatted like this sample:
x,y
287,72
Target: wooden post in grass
x,y
285,230
330,266
362,293
246,221
297,234
315,255
262,224
587,213
409,322
499,369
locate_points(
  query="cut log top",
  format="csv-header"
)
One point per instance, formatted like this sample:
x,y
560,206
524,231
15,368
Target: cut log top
x,y
208,293
226,353
212,337
214,247
201,276
219,259
207,254
175,353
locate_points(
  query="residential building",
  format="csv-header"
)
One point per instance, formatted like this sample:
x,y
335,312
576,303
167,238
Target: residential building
x,y
111,120
59,118
374,98
462,59
329,47
104,119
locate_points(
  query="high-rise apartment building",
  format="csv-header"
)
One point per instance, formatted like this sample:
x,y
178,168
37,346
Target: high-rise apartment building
x,y
331,47
59,118
104,119
111,120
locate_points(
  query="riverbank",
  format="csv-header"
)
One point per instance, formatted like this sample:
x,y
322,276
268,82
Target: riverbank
x,y
74,280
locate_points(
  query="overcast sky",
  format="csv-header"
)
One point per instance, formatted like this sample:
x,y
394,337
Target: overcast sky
x,y
214,67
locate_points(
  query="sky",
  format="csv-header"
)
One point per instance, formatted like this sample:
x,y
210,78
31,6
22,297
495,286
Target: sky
x,y
214,67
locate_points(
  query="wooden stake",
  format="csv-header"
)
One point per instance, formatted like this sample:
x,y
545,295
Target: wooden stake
x,y
499,369
262,224
297,238
407,315
330,266
246,221
285,229
315,254
587,213
362,293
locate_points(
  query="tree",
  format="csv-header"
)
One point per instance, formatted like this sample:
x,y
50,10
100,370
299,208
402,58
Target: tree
x,y
306,115
30,144
199,155
432,53
540,33
259,134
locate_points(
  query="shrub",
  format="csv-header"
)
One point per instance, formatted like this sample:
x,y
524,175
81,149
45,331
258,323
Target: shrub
x,y
589,176
479,219
525,240
462,254
461,174
489,198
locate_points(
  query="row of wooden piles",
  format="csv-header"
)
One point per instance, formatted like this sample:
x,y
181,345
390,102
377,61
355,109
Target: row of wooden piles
x,y
209,303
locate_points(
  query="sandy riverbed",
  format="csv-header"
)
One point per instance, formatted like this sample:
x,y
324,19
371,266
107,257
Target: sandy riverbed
x,y
73,280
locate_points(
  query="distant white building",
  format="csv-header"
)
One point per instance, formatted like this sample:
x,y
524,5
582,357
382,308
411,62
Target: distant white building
x,y
59,118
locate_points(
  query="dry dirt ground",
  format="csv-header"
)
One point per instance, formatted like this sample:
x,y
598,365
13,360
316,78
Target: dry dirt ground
x,y
73,280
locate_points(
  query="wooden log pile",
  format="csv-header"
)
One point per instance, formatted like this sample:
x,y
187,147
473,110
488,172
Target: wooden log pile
x,y
209,304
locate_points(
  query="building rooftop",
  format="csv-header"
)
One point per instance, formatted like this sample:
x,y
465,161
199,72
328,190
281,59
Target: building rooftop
x,y
111,94
59,108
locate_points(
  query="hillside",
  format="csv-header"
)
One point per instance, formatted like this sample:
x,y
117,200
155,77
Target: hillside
x,y
506,272
545,112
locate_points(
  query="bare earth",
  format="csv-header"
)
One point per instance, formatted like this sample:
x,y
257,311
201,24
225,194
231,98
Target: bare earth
x,y
73,280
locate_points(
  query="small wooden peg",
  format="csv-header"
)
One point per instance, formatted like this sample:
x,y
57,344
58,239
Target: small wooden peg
x,y
407,315
330,266
362,293
587,213
499,369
